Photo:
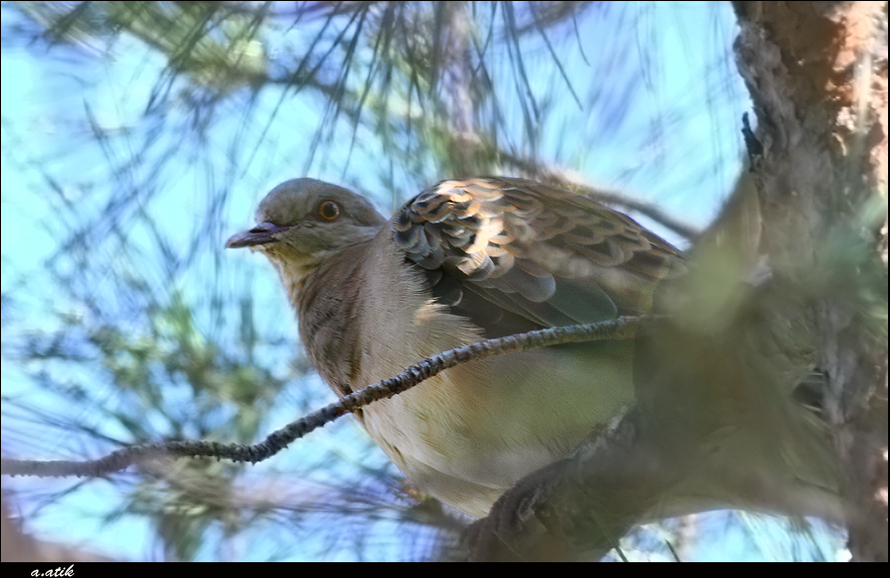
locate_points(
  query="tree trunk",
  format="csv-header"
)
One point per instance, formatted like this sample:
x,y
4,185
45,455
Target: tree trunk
x,y
811,213
817,72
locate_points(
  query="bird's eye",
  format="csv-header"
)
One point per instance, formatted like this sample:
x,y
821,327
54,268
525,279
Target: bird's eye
x,y
328,211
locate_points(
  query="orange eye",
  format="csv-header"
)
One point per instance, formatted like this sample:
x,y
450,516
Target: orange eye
x,y
328,211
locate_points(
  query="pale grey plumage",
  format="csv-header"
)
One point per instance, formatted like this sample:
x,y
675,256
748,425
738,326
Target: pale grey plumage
x,y
463,261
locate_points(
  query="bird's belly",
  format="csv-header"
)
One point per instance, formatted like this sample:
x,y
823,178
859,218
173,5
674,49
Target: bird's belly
x,y
470,433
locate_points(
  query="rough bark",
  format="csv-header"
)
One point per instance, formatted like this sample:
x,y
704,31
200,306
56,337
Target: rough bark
x,y
817,74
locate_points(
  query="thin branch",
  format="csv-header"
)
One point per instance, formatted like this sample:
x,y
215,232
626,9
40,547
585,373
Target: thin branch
x,y
621,328
567,180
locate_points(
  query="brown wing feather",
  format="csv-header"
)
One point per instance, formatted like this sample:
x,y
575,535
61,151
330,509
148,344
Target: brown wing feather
x,y
541,255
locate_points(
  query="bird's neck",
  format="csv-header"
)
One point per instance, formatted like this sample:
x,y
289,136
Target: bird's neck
x,y
326,314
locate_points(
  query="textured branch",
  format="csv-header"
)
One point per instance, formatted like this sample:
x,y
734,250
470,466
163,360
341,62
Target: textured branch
x,y
621,328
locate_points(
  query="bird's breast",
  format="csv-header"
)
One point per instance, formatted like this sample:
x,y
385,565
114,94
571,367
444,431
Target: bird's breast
x,y
469,433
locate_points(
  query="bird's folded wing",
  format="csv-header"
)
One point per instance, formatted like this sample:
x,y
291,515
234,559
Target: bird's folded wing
x,y
514,255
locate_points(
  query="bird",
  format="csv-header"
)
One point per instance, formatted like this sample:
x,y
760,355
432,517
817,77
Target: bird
x,y
463,261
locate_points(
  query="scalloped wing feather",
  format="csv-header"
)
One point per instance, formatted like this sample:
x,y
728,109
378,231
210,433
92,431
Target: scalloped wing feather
x,y
542,255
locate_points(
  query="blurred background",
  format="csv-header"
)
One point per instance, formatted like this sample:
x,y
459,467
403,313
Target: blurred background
x,y
138,136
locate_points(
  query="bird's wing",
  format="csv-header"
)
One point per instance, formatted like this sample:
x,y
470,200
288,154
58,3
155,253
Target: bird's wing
x,y
514,255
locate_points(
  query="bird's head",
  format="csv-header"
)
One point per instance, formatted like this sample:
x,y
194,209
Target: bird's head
x,y
303,222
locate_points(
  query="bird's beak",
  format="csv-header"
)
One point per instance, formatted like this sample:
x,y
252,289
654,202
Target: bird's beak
x,y
259,235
